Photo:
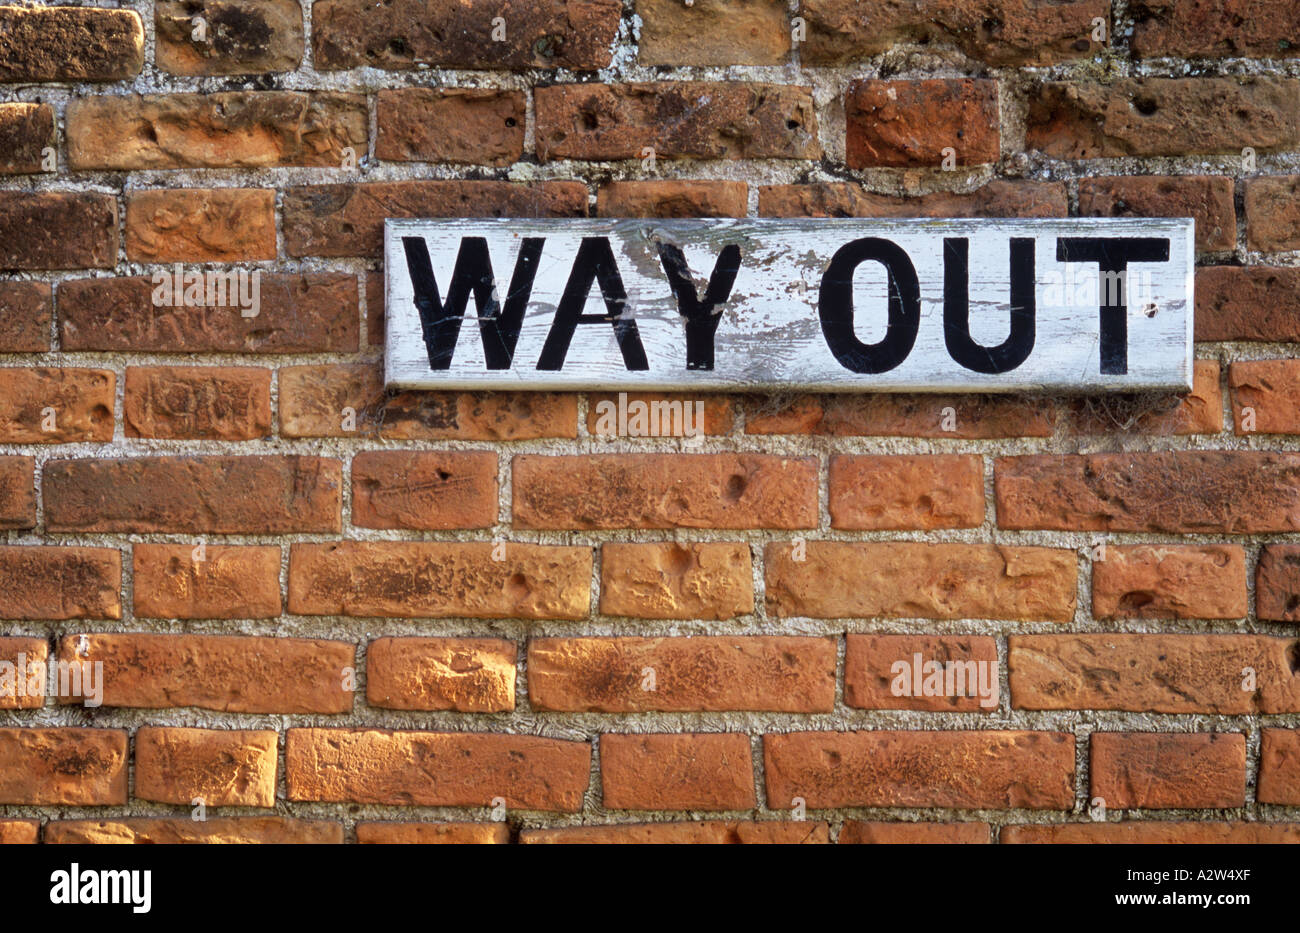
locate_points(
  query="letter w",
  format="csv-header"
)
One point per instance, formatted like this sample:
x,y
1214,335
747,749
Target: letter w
x,y
440,323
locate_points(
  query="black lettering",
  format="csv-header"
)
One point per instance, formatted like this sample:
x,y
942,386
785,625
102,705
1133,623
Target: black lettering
x,y
1011,352
835,305
702,316
593,264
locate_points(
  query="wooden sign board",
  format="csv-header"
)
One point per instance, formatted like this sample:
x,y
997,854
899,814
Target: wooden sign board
x,y
1072,305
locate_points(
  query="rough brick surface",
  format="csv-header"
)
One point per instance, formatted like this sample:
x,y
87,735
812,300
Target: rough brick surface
x,y
265,830
713,32
222,768
60,583
246,36
1264,395
910,672
1247,303
17,493
1279,767
200,225
63,767
696,832
1159,582
19,832
219,403
922,123
862,832
904,416
26,309
1152,770
404,489
1154,832
476,125
1216,29
998,198
469,675
433,833
206,581
883,493
57,230
1277,583
56,406
677,772
673,199
24,674
1207,199
26,138
1272,220
66,44
671,581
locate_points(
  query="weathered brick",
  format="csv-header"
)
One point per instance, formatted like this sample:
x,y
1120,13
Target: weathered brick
x,y
56,406
57,229
912,123
696,832
237,129
348,219
881,493
26,132
428,579
331,400
1170,582
1279,767
432,833
19,832
1207,199
888,415
1155,673
903,579
181,830
999,32
23,672
1272,218
183,581
997,198
657,414
703,673
1277,583
965,770
66,43
703,771
63,767
218,495
17,493
26,309
1264,396
461,769
223,768
1197,412
60,583
711,580
401,34
676,119
873,680
1163,117
243,37
424,489
713,32
469,675
299,313
200,224
481,126
665,491
1225,492
230,673
862,832
479,416
1248,303
1215,29
1154,770
673,198
216,403
1153,832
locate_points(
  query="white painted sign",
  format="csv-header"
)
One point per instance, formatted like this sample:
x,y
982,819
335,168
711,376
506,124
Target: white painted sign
x,y
826,305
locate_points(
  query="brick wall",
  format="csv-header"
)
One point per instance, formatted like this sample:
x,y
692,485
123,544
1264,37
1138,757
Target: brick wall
x,y
333,614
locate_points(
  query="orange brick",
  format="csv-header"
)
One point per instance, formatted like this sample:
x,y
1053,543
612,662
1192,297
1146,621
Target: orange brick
x,y
702,832
1197,412
1264,396
200,224
481,416
1277,583
861,832
916,123
180,581
63,767
673,198
234,768
1170,582
891,493
658,414
426,833
677,772
336,400
214,403
183,830
23,673
676,581
1279,767
469,675
960,417
17,493
1152,770
424,489
60,583
939,673
56,406
19,832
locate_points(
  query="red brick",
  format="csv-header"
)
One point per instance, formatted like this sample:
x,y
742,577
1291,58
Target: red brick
x,y
713,32
69,44
63,767
911,123
469,675
19,832
26,309
861,832
223,768
659,414
706,771
891,493
958,770
872,680
54,583
229,673
1197,412
1207,199
903,579
200,224
435,769
1215,492
17,493
1222,674
676,119
710,580
1272,218
348,219
1277,583
696,674
480,416
696,832
56,406
432,833
481,126
23,672
968,416
1215,29
247,36
434,580
217,495
300,313
1170,582
333,400
215,403
424,489
1153,832
183,830
1279,767
665,491
673,198
226,583
235,129
57,229
1163,117
1248,303
1270,389
997,198
1154,770
27,133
